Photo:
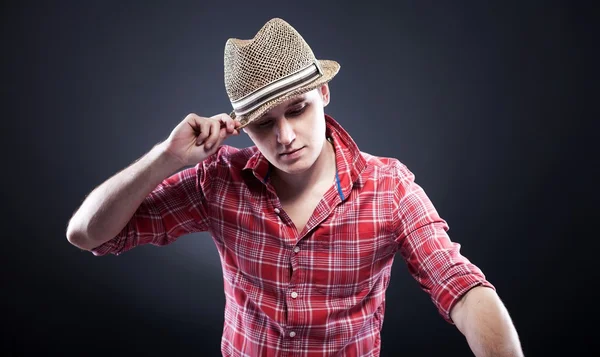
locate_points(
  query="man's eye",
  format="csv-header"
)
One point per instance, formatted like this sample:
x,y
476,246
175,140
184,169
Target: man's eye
x,y
265,123
298,111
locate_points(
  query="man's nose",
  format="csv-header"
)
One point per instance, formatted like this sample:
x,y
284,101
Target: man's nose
x,y
285,132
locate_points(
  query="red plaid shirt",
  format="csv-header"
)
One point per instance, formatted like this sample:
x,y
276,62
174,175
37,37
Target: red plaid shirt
x,y
321,291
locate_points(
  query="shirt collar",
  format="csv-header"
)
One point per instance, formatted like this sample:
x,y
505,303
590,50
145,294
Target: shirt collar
x,y
349,160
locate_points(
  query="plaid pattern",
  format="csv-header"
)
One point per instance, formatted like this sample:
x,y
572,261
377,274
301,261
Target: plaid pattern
x,y
321,291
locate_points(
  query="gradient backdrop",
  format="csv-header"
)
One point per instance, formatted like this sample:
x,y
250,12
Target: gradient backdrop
x,y
489,105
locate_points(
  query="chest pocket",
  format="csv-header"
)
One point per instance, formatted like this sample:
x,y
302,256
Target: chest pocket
x,y
348,263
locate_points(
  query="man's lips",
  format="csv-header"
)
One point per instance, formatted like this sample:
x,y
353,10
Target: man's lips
x,y
291,152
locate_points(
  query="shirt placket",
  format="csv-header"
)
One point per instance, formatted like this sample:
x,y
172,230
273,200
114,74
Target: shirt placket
x,y
293,295
296,316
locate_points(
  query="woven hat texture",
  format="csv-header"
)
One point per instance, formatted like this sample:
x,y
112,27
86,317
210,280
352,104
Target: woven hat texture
x,y
272,67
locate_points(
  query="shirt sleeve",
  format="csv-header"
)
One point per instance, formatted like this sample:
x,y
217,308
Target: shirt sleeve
x,y
433,260
177,206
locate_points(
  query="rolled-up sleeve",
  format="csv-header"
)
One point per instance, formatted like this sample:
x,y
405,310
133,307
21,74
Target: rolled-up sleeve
x,y
433,260
176,207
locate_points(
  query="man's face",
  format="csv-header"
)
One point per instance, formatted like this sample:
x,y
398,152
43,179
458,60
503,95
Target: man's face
x,y
291,135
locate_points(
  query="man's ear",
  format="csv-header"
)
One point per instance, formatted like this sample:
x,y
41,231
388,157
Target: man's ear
x,y
325,94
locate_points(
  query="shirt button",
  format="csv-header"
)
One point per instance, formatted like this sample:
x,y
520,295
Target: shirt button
x,y
296,249
292,334
294,295
276,210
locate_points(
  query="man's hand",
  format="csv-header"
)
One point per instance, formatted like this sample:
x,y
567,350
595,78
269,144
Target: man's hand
x,y
196,137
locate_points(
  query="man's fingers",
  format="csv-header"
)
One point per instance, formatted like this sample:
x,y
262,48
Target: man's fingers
x,y
215,130
211,131
236,126
227,121
204,130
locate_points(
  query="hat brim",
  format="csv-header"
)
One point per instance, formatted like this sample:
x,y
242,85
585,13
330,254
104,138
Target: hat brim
x,y
330,69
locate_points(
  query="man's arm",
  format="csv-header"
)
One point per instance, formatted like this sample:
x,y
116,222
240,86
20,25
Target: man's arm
x,y
484,320
109,207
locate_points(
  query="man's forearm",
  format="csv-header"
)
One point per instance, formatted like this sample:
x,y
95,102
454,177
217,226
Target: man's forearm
x,y
484,320
109,207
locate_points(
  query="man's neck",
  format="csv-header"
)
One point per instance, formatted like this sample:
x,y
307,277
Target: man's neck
x,y
322,172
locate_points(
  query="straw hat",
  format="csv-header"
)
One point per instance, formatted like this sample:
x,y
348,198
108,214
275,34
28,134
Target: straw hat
x,y
274,66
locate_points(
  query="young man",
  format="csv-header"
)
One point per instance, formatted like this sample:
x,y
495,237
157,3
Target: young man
x,y
307,225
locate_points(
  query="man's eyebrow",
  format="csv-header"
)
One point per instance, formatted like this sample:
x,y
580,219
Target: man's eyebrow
x,y
299,100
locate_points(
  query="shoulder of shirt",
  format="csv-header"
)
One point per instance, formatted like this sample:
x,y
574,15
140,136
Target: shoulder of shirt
x,y
231,157
386,167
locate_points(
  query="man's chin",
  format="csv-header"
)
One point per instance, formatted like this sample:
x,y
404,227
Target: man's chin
x,y
294,168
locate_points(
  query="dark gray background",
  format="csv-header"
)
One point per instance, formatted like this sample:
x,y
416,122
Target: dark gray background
x,y
490,105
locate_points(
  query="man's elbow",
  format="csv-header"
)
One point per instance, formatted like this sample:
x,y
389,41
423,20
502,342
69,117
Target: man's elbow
x,y
79,238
